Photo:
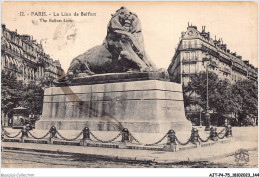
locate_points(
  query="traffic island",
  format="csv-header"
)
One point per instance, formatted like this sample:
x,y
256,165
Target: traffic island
x,y
124,140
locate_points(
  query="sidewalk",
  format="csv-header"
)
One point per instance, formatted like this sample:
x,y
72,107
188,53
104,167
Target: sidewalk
x,y
200,154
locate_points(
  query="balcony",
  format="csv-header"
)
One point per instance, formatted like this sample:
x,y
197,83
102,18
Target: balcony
x,y
226,70
210,51
192,60
189,47
12,52
213,64
239,68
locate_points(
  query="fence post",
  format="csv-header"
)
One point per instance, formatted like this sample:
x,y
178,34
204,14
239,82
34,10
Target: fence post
x,y
53,132
125,135
24,133
171,137
171,142
213,133
228,131
195,136
125,138
86,136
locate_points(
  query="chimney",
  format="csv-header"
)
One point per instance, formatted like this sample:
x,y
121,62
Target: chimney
x,y
203,29
3,26
228,50
215,41
246,62
239,57
223,46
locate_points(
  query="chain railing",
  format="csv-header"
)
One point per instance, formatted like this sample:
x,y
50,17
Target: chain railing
x,y
127,136
221,132
105,141
183,144
38,138
146,144
9,135
67,139
202,140
5,132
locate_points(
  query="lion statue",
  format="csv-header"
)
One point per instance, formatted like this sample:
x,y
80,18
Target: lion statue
x,y
121,51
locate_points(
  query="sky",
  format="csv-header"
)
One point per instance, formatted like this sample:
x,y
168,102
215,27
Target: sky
x,y
162,24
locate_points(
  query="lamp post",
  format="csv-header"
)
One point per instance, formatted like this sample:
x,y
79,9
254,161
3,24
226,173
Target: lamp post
x,y
207,115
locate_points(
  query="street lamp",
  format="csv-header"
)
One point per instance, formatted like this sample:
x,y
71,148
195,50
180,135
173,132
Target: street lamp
x,y
207,115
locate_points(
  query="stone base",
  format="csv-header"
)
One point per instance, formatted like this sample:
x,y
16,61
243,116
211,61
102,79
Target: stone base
x,y
112,78
147,106
149,127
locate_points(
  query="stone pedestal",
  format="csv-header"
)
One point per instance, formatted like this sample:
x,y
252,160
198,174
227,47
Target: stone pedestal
x,y
144,106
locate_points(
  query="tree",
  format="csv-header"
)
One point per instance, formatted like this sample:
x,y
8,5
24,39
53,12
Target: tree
x,y
246,95
219,91
238,99
14,93
32,98
196,90
11,91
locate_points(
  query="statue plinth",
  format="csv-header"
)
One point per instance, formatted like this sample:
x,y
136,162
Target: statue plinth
x,y
84,79
141,102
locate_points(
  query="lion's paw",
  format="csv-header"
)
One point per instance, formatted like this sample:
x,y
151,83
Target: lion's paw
x,y
124,54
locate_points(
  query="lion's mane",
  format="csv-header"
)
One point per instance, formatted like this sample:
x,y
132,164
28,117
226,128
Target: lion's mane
x,y
121,51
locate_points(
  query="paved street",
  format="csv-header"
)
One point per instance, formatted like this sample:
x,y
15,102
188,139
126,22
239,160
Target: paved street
x,y
23,159
26,159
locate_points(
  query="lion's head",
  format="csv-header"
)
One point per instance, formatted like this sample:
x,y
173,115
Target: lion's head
x,y
124,20
122,49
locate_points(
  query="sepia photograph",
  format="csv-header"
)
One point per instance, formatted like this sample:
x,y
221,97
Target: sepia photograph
x,y
129,84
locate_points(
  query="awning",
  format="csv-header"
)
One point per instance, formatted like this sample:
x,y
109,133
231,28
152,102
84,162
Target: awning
x,y
9,60
21,51
3,41
12,46
17,49
16,62
12,60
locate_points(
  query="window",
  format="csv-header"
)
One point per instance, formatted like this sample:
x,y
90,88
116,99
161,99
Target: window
x,y
191,55
185,69
192,68
189,44
186,55
185,44
185,80
197,55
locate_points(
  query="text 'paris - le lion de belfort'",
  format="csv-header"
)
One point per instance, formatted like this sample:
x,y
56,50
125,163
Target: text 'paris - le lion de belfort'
x,y
44,14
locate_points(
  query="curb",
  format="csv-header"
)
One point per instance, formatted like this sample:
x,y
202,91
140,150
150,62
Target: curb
x,y
125,158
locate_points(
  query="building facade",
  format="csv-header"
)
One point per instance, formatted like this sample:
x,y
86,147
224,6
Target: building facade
x,y
193,47
23,56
